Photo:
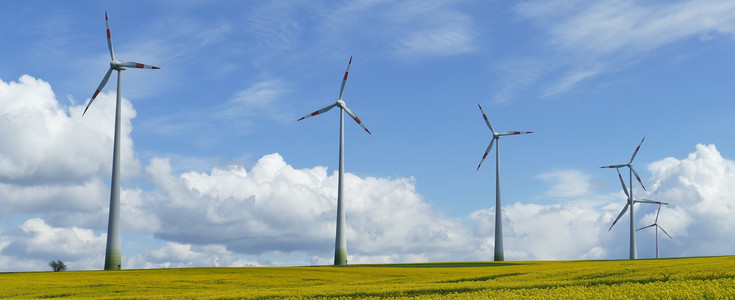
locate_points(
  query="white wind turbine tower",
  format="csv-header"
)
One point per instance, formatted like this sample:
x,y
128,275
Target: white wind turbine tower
x,y
340,244
633,251
655,223
499,256
113,253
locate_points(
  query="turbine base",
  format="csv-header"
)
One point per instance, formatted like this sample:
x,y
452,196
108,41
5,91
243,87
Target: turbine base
x,y
340,257
113,259
499,256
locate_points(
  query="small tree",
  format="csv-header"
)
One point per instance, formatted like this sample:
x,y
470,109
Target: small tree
x,y
57,266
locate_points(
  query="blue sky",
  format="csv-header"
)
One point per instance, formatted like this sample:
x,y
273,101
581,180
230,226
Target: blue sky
x,y
217,171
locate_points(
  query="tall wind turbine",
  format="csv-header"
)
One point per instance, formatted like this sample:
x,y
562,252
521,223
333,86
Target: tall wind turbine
x,y
499,256
633,251
340,244
113,254
655,223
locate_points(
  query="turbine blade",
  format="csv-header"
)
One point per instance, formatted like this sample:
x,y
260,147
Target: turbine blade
x,y
638,177
613,166
620,215
344,80
662,229
645,227
321,111
99,88
131,64
650,201
486,152
514,132
636,150
486,120
109,38
622,182
349,112
657,213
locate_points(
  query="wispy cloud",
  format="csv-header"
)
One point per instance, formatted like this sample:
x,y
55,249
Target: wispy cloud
x,y
435,42
443,30
402,29
567,183
257,101
630,27
613,35
568,82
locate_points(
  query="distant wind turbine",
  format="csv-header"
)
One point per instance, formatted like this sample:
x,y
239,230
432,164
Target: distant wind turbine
x,y
113,252
655,223
499,256
633,251
625,189
340,244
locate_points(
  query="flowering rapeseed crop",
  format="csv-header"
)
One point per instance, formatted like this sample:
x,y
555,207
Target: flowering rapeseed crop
x,y
709,278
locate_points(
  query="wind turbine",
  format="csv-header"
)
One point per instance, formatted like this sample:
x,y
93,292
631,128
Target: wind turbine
x,y
499,256
340,244
112,253
655,223
633,251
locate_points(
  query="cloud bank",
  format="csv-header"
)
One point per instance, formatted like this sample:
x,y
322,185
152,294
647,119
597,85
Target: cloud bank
x,y
54,195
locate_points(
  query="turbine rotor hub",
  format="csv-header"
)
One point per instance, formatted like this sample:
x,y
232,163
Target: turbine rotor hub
x,y
341,104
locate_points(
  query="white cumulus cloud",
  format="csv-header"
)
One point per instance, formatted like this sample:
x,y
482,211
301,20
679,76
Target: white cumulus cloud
x,y
53,160
702,195
44,141
274,207
175,255
30,247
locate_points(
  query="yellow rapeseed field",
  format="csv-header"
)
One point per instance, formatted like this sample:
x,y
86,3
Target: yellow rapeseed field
x,y
683,278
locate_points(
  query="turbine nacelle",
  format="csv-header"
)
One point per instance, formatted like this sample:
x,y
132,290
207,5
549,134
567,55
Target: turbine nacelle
x,y
117,65
341,104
